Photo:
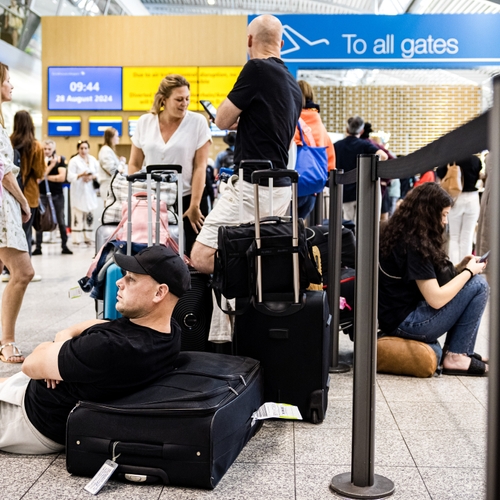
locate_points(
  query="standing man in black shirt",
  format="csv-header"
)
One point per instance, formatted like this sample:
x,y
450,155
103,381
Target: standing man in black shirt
x,y
97,360
264,105
55,173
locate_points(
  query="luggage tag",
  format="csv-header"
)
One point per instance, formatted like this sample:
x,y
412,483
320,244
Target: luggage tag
x,y
75,292
276,410
103,474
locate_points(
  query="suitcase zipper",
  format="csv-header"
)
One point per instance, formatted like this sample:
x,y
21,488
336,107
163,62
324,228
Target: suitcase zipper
x,y
232,392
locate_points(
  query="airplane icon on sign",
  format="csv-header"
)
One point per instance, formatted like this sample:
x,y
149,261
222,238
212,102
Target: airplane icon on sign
x,y
288,31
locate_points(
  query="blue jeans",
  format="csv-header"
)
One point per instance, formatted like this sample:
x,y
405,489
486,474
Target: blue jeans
x,y
460,318
305,205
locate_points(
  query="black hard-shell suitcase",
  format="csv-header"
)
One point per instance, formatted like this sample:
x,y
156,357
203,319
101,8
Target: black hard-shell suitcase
x,y
288,333
185,430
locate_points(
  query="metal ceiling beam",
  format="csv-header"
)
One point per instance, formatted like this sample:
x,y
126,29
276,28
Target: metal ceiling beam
x,y
252,7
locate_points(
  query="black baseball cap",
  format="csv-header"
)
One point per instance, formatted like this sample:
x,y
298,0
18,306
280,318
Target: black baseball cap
x,y
162,264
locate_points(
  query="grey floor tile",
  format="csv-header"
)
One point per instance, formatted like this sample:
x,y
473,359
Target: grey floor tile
x,y
447,448
313,482
434,389
341,386
333,447
455,484
244,482
20,472
57,483
273,444
444,415
478,387
339,416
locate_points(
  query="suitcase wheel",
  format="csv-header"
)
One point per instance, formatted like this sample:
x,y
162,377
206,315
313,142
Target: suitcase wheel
x,y
315,417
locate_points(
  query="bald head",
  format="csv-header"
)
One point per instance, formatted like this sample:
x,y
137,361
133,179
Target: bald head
x,y
265,37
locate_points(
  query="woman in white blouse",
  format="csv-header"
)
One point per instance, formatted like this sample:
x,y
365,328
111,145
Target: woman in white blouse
x,y
82,170
109,162
170,134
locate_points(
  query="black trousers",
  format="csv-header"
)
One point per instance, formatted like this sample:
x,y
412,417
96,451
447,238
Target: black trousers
x,y
58,200
190,235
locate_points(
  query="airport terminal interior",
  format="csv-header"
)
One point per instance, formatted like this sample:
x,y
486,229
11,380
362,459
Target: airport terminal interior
x,y
430,433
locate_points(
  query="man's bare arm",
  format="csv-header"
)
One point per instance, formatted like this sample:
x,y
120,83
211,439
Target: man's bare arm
x,y
75,330
227,115
42,363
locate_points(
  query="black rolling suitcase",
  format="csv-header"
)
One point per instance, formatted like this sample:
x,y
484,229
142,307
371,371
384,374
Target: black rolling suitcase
x,y
185,430
287,333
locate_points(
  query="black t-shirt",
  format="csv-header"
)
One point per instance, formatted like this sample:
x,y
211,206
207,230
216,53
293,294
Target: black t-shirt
x,y
105,362
271,102
346,157
55,187
398,293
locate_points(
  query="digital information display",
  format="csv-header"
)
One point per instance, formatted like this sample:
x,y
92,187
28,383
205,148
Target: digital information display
x,y
132,124
140,85
85,88
215,83
66,126
99,124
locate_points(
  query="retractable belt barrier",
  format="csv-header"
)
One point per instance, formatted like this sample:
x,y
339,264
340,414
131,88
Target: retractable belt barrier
x,y
480,133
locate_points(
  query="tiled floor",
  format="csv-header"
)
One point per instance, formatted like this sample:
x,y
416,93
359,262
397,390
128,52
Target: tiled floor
x,y
430,433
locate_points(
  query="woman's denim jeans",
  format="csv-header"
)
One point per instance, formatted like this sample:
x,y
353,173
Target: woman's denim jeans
x,y
460,318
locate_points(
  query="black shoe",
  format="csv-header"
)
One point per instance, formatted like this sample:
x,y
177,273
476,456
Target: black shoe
x,y
37,251
66,251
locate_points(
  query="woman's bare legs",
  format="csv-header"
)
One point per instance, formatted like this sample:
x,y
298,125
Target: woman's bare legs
x,y
21,272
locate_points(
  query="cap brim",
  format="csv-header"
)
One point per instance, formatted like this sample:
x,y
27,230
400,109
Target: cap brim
x,y
129,263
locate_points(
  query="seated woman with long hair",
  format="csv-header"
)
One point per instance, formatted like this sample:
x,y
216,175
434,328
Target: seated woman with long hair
x,y
422,295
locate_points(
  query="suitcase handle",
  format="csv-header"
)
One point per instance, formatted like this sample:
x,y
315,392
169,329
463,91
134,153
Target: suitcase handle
x,y
274,174
164,168
265,164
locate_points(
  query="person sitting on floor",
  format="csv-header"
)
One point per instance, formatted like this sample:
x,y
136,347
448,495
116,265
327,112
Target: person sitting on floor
x,y
97,360
422,295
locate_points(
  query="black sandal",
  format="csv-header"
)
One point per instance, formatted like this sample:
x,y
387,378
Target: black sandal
x,y
476,369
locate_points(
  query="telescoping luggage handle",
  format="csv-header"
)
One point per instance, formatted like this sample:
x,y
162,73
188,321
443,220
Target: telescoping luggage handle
x,y
262,164
158,173
257,176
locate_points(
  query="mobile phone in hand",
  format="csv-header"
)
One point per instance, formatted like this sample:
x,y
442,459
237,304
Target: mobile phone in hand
x,y
484,257
209,108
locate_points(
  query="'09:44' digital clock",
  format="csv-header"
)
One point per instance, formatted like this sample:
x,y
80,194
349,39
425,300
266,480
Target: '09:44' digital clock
x,y
84,87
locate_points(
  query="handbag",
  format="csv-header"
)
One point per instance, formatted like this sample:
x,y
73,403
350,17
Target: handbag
x,y
452,181
312,166
234,271
45,218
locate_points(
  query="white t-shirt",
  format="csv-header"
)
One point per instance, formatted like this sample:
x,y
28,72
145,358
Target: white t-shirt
x,y
192,134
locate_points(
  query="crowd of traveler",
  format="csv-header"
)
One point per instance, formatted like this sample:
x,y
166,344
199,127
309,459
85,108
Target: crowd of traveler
x,y
423,294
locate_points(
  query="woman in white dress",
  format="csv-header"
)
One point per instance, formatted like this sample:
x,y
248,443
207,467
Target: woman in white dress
x,y
82,171
170,134
14,211
109,162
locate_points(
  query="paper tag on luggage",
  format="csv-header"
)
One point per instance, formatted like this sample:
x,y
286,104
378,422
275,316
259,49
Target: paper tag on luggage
x,y
101,477
277,410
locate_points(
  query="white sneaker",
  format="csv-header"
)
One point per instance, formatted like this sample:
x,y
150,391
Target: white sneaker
x,y
37,277
5,277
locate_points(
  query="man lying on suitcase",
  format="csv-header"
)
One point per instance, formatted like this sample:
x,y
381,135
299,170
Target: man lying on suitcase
x,y
97,360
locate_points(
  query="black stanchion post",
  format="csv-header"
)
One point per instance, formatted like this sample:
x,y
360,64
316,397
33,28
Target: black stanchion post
x,y
361,482
334,259
493,479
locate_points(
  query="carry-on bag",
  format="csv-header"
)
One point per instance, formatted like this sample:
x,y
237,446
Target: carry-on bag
x,y
142,211
287,331
184,430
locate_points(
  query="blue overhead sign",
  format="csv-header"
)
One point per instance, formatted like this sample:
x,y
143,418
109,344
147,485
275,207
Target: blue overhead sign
x,y
403,41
